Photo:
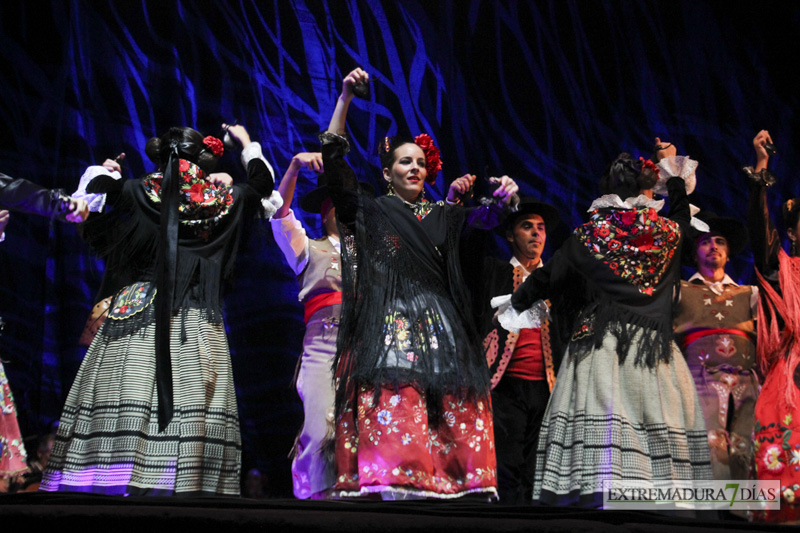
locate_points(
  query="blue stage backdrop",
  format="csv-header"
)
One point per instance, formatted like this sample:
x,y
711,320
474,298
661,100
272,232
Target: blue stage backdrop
x,y
546,92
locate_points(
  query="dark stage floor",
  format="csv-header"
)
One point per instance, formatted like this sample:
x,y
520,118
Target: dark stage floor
x,y
79,512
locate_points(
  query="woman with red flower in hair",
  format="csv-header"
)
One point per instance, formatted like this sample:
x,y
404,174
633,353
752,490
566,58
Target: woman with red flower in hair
x,y
412,413
153,410
624,406
777,411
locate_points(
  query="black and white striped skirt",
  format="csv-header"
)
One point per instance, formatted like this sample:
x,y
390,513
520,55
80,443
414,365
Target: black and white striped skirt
x,y
108,440
609,421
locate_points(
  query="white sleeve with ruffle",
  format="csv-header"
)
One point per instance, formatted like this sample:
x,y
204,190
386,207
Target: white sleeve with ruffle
x,y
676,165
96,201
513,320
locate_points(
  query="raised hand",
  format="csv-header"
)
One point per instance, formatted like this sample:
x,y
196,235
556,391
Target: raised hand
x,y
459,187
308,160
507,189
238,133
356,75
112,165
664,149
759,143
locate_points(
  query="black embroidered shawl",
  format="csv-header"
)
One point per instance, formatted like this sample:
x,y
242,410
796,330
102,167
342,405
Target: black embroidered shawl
x,y
611,297
399,267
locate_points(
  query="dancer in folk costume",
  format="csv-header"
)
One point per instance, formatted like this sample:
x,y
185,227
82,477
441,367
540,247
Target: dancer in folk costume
x,y
153,408
413,414
624,405
777,411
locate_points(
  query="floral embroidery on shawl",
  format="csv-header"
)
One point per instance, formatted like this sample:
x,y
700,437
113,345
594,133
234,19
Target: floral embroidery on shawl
x,y
202,204
398,333
637,245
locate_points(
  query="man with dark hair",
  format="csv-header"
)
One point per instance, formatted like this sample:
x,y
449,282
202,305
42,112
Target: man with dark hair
x,y
715,329
520,364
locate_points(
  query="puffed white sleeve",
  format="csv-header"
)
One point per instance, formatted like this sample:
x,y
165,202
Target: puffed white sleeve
x,y
292,240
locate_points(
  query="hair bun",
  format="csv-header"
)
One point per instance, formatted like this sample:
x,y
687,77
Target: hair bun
x,y
187,143
152,149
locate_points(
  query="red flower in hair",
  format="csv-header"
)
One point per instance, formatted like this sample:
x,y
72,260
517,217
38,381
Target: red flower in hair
x,y
433,160
646,163
215,145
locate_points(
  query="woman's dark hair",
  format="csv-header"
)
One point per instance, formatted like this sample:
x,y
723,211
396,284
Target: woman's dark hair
x,y
389,146
627,177
190,147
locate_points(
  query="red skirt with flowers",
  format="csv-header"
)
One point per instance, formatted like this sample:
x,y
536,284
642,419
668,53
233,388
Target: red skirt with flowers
x,y
13,459
777,444
389,448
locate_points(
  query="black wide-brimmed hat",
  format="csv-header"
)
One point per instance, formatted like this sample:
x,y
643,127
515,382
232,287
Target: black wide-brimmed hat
x,y
734,231
531,206
312,201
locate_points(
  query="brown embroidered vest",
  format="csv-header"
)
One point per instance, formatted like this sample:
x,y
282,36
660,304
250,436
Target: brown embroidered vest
x,y
702,310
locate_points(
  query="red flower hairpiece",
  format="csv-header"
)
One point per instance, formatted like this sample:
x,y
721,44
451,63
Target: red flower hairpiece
x,y
646,163
433,160
215,145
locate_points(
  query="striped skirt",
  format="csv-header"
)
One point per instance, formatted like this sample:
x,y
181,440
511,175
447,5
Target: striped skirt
x,y
609,421
108,441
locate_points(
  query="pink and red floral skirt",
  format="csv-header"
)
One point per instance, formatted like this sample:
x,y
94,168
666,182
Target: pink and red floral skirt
x,y
389,447
777,444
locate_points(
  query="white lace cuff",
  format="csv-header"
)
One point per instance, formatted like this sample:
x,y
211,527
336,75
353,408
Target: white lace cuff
x,y
253,151
676,165
272,204
513,321
96,201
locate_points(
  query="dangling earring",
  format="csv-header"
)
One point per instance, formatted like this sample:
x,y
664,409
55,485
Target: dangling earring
x,y
421,197
390,188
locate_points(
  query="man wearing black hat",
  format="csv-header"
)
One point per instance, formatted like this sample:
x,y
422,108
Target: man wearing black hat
x,y
715,328
520,364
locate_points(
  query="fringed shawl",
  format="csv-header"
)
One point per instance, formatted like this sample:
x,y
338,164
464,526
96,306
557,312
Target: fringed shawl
x,y
127,237
778,327
396,266
195,247
618,275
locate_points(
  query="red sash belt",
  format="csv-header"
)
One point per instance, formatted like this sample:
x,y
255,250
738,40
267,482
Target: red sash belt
x,y
319,301
527,361
697,335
